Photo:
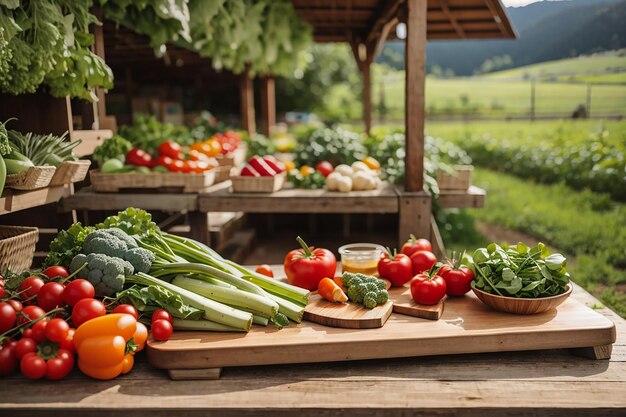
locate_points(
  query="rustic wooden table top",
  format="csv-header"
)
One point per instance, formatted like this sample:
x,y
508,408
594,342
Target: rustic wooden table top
x,y
546,383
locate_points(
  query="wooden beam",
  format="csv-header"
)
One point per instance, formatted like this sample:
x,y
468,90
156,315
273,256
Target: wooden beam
x,y
415,54
268,105
389,11
246,100
446,11
367,96
380,42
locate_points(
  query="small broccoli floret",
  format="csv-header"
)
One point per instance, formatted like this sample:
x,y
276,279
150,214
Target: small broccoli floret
x,y
106,273
369,300
105,243
140,258
129,269
123,236
382,297
371,287
346,279
381,284
355,281
353,293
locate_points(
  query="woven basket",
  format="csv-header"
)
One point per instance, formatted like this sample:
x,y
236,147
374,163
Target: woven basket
x,y
187,182
242,184
70,171
31,179
17,247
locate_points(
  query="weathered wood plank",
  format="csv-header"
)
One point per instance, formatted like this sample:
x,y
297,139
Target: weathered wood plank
x,y
86,199
473,197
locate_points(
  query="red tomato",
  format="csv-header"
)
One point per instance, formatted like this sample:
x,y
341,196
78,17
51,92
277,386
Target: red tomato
x,y
30,287
264,270
396,268
78,290
59,366
458,280
190,166
56,271
33,366
164,161
87,309
197,156
39,330
161,315
170,148
162,330
325,168
56,330
307,266
50,296
3,292
27,333
17,306
8,317
24,346
139,157
140,336
68,342
177,166
422,261
426,290
126,309
413,245
8,361
30,313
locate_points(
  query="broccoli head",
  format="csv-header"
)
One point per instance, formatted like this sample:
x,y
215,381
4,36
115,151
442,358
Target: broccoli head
x,y
140,258
106,273
369,300
382,297
101,241
123,236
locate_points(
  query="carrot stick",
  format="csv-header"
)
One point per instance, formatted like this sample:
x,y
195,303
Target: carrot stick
x,y
328,289
339,282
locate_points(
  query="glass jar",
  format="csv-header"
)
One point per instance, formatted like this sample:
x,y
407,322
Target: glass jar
x,y
361,258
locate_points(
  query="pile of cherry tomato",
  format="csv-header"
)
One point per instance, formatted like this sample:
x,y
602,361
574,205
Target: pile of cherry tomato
x,y
429,279
39,318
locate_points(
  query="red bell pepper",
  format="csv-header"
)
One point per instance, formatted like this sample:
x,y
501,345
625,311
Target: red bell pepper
x,y
139,157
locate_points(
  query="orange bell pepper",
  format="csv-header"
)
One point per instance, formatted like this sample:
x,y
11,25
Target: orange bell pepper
x,y
105,345
332,292
214,146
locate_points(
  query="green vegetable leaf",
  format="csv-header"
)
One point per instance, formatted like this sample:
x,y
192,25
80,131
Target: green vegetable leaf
x,y
555,262
150,298
508,274
67,244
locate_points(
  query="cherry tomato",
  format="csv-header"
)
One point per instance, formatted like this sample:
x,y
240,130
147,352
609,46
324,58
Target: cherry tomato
x,y
39,330
396,268
60,366
325,168
78,290
140,336
426,290
56,271
17,306
24,346
177,166
27,333
8,317
170,148
87,309
162,330
50,296
33,366
68,342
56,330
264,270
161,315
164,161
139,157
8,360
30,287
3,292
30,313
422,261
126,309
413,245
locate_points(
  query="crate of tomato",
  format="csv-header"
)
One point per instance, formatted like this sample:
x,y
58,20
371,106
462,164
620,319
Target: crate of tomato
x,y
172,168
263,174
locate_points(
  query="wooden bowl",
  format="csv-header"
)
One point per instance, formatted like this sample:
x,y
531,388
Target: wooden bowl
x,y
521,305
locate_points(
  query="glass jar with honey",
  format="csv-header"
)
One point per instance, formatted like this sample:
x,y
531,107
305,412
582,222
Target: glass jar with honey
x,y
361,258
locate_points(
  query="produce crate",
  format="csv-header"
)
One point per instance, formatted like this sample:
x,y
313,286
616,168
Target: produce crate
x,y
242,184
154,181
460,180
70,171
222,173
17,247
31,179
235,158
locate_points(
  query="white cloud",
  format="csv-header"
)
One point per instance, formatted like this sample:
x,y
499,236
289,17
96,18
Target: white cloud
x,y
518,2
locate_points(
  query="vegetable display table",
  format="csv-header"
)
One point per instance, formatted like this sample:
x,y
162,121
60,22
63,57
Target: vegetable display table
x,y
495,384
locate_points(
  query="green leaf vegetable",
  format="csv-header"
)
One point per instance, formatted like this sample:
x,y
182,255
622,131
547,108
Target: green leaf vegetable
x,y
148,133
5,148
115,147
520,271
43,149
151,298
66,245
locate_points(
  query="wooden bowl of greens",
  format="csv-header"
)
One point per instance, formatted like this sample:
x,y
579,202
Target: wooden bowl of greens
x,y
519,279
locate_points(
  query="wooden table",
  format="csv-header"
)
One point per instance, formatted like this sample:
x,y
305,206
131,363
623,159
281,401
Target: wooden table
x,y
546,383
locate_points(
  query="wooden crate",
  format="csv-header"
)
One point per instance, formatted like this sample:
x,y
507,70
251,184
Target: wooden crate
x,y
235,158
70,172
243,184
460,180
31,179
222,173
164,182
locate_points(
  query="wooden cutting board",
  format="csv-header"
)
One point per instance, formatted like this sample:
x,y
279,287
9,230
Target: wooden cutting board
x,y
466,326
346,315
403,304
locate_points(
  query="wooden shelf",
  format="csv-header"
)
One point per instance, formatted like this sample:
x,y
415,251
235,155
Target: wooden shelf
x,y
90,140
12,200
87,199
473,197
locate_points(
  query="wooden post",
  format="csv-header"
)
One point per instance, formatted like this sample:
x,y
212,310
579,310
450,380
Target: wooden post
x,y
100,118
367,94
268,105
246,100
415,82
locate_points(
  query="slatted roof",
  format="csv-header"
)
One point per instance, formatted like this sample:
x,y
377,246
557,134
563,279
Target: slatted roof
x,y
344,20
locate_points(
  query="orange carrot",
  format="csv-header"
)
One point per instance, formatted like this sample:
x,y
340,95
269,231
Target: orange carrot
x,y
328,289
339,282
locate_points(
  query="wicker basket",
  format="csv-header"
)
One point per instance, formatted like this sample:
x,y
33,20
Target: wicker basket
x,y
31,179
17,247
132,181
69,172
242,184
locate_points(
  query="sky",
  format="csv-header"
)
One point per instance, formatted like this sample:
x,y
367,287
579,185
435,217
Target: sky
x,y
518,2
